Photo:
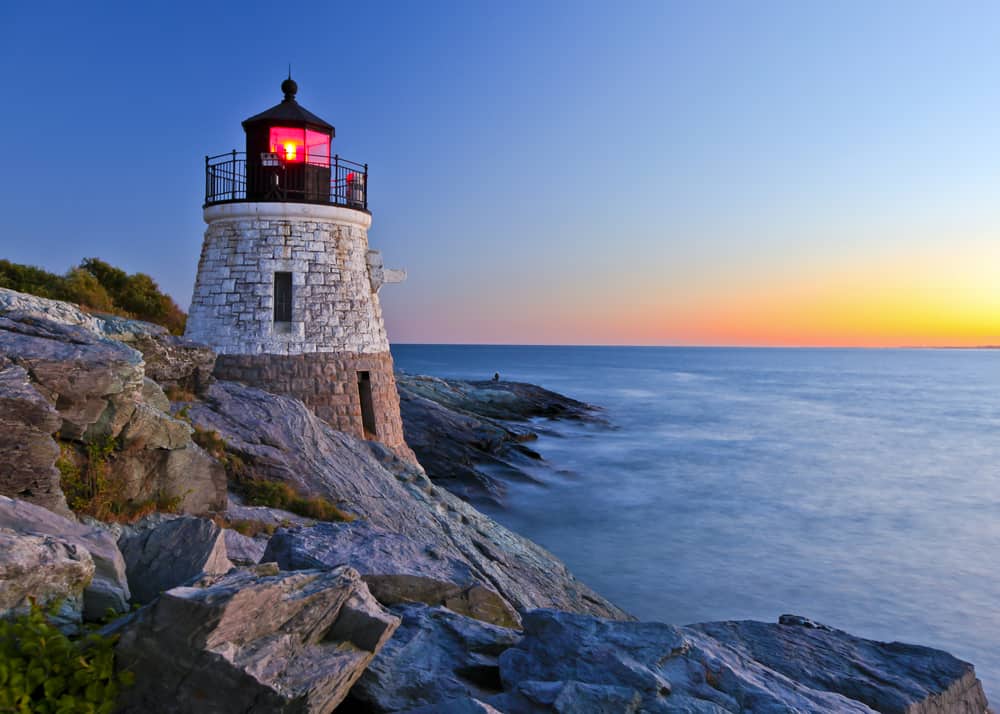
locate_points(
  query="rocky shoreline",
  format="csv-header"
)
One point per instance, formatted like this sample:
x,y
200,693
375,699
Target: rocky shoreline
x,y
402,597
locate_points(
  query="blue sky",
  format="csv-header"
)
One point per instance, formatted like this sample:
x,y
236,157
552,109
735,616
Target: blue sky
x,y
640,172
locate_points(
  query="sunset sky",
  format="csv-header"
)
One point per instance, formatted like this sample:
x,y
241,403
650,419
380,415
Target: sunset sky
x,y
649,173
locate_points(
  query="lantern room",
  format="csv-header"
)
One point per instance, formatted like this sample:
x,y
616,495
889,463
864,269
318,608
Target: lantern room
x,y
288,158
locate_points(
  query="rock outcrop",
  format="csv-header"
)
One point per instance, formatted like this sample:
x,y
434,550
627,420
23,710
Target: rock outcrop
x,y
471,436
171,553
27,423
96,390
396,569
254,640
45,570
440,661
436,659
172,362
108,589
576,663
280,439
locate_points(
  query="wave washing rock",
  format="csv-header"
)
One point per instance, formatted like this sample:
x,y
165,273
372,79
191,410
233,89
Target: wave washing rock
x,y
280,439
52,352
109,587
396,569
467,436
170,553
254,641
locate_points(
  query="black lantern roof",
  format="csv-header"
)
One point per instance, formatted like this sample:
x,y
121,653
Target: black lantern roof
x,y
290,113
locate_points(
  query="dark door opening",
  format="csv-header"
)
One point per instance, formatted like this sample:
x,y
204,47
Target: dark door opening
x,y
367,405
282,297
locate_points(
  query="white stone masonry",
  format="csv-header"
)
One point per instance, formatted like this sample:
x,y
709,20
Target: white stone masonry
x,y
335,306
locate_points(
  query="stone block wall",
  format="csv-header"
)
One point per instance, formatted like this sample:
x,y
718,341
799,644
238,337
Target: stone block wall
x,y
328,384
335,306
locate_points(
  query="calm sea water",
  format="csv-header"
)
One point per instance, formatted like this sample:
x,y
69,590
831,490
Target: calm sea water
x,y
860,488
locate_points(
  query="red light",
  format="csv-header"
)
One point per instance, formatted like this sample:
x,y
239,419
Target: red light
x,y
298,145
288,143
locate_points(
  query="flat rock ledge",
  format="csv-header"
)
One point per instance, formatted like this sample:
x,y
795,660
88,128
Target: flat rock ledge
x,y
441,661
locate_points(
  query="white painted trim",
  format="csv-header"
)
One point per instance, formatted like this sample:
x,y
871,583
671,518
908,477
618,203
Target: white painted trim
x,y
287,211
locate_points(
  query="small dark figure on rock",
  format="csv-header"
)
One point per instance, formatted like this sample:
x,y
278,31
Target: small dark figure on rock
x,y
496,376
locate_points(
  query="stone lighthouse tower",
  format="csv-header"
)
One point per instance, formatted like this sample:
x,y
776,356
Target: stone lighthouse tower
x,y
287,287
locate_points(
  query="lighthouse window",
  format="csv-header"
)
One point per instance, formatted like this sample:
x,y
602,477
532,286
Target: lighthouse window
x,y
282,297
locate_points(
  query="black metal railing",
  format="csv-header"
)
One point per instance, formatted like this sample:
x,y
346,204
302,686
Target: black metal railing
x,y
318,179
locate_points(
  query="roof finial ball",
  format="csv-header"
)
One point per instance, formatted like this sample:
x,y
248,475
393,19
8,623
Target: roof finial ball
x,y
289,87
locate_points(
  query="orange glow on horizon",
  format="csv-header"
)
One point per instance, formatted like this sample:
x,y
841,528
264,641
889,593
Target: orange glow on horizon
x,y
930,299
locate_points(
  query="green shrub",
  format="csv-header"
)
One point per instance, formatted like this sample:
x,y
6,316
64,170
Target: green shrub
x,y
101,287
42,671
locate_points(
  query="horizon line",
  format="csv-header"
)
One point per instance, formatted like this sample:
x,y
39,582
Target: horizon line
x,y
700,347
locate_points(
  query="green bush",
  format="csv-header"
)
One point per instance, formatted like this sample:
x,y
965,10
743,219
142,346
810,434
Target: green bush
x,y
42,671
101,287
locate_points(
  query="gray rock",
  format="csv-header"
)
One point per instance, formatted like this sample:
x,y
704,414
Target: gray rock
x,y
885,676
507,401
55,310
243,550
172,553
463,705
150,428
236,510
174,362
435,657
27,422
47,570
98,388
568,662
279,438
93,381
109,587
170,360
396,569
253,640
154,396
189,476
467,435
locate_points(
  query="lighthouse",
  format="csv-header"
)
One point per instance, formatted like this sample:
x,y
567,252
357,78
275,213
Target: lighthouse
x,y
287,286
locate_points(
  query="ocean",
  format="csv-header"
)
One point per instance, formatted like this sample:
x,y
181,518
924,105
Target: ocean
x,y
859,488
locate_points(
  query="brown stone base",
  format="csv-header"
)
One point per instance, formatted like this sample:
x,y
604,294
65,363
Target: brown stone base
x,y
327,382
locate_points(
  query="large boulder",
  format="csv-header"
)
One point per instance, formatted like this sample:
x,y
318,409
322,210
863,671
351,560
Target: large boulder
x,y
188,477
93,382
569,663
45,570
171,552
27,423
435,657
108,590
280,439
397,569
253,640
